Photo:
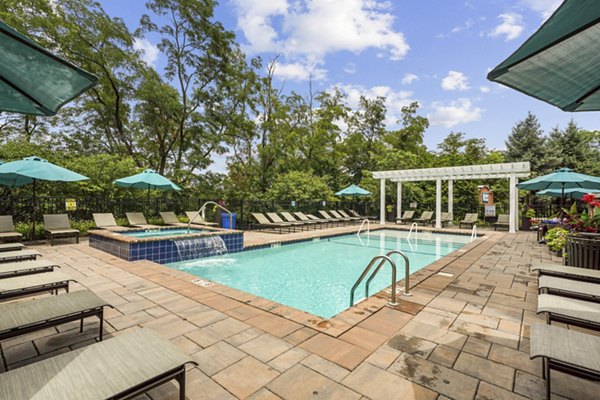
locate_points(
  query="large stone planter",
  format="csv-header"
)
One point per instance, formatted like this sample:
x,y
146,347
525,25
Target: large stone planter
x,y
583,251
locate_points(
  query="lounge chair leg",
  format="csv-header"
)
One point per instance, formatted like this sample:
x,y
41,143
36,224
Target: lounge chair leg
x,y
547,374
81,325
101,324
181,380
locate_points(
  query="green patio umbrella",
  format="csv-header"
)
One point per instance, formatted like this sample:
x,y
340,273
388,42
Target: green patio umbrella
x,y
353,191
33,80
149,179
559,63
33,169
575,193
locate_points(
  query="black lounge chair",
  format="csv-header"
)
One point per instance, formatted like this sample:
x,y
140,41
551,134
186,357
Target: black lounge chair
x,y
277,220
9,270
310,217
568,272
328,217
569,288
18,255
570,311
123,367
11,247
290,218
19,318
32,284
347,218
58,226
263,222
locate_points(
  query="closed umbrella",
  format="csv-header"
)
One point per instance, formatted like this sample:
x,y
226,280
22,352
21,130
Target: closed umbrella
x,y
33,80
31,170
149,179
558,64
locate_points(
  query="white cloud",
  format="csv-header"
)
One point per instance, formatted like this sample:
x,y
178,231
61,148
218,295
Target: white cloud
x,y
350,68
409,78
454,113
484,89
455,80
394,100
308,30
298,72
544,7
149,51
511,26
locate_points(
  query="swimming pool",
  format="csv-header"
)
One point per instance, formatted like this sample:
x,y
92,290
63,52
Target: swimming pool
x,y
155,233
317,276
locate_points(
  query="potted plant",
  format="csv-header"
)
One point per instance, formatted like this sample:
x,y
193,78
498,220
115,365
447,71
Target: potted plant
x,y
556,239
582,246
526,218
389,211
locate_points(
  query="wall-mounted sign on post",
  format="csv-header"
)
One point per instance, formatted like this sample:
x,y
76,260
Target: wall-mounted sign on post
x,y
490,211
293,203
70,204
324,203
413,204
486,195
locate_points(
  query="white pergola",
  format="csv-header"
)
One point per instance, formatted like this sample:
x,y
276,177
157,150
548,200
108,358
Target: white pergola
x,y
511,171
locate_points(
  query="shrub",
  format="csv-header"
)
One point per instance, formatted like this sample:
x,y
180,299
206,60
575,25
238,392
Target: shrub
x,y
556,238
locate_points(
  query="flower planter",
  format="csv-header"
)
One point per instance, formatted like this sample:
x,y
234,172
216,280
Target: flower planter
x,y
583,251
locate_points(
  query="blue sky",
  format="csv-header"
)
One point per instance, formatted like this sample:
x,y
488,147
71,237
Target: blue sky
x,y
436,52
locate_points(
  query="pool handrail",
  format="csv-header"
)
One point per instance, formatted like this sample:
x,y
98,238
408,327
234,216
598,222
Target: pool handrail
x,y
201,211
362,224
413,225
474,232
362,276
406,276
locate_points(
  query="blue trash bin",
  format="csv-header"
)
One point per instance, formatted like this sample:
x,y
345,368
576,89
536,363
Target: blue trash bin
x,y
225,220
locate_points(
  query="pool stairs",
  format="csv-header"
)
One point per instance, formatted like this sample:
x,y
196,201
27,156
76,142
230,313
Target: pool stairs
x,y
189,249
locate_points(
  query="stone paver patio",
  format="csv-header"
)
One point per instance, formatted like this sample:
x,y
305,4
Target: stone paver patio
x,y
463,334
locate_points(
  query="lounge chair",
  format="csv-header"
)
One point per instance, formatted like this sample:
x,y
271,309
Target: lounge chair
x,y
290,218
445,218
138,220
7,229
9,270
568,351
306,217
345,215
198,220
122,367
346,218
105,221
19,255
406,217
580,274
277,219
263,222
32,284
470,220
322,220
328,217
569,288
426,217
569,311
19,318
502,222
170,218
58,226
11,247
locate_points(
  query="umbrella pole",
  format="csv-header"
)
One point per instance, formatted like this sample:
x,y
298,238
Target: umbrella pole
x,y
34,212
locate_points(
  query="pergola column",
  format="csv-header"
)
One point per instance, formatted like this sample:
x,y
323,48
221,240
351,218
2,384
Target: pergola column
x,y
438,203
399,200
451,198
512,210
382,201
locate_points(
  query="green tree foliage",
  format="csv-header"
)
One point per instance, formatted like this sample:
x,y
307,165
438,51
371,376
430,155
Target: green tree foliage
x,y
573,148
527,143
298,185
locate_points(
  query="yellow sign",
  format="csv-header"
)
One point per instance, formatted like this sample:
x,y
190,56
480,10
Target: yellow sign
x,y
70,204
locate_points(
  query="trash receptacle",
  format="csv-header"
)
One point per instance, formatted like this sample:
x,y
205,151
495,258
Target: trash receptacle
x,y
225,220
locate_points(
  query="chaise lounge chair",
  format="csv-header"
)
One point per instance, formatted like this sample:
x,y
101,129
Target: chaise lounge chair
x,y
105,221
426,217
562,271
263,222
290,218
569,311
345,215
502,222
58,226
138,220
9,270
568,351
19,318
11,247
406,217
7,229
322,220
18,255
170,218
328,217
306,217
470,220
32,284
445,218
123,367
346,218
198,220
569,288
277,219
355,214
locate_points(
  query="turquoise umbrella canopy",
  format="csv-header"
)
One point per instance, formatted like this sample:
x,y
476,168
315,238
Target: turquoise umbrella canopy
x,y
33,80
353,190
563,178
149,179
575,193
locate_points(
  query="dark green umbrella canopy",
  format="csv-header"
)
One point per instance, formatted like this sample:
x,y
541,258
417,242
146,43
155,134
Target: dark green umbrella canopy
x,y
559,64
33,80
353,190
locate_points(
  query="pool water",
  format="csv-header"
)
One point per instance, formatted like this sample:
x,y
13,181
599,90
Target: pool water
x,y
152,233
317,276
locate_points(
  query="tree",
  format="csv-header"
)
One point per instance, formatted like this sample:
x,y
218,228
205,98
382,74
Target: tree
x,y
572,148
297,185
526,143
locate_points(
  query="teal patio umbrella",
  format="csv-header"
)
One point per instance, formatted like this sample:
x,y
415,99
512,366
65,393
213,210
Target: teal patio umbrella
x,y
149,179
559,63
33,80
33,169
575,193
354,191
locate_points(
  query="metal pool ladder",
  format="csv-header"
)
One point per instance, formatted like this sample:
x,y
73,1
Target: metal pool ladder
x,y
201,211
362,224
413,225
382,260
474,232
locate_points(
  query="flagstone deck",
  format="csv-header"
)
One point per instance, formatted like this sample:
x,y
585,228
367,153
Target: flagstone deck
x,y
462,335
